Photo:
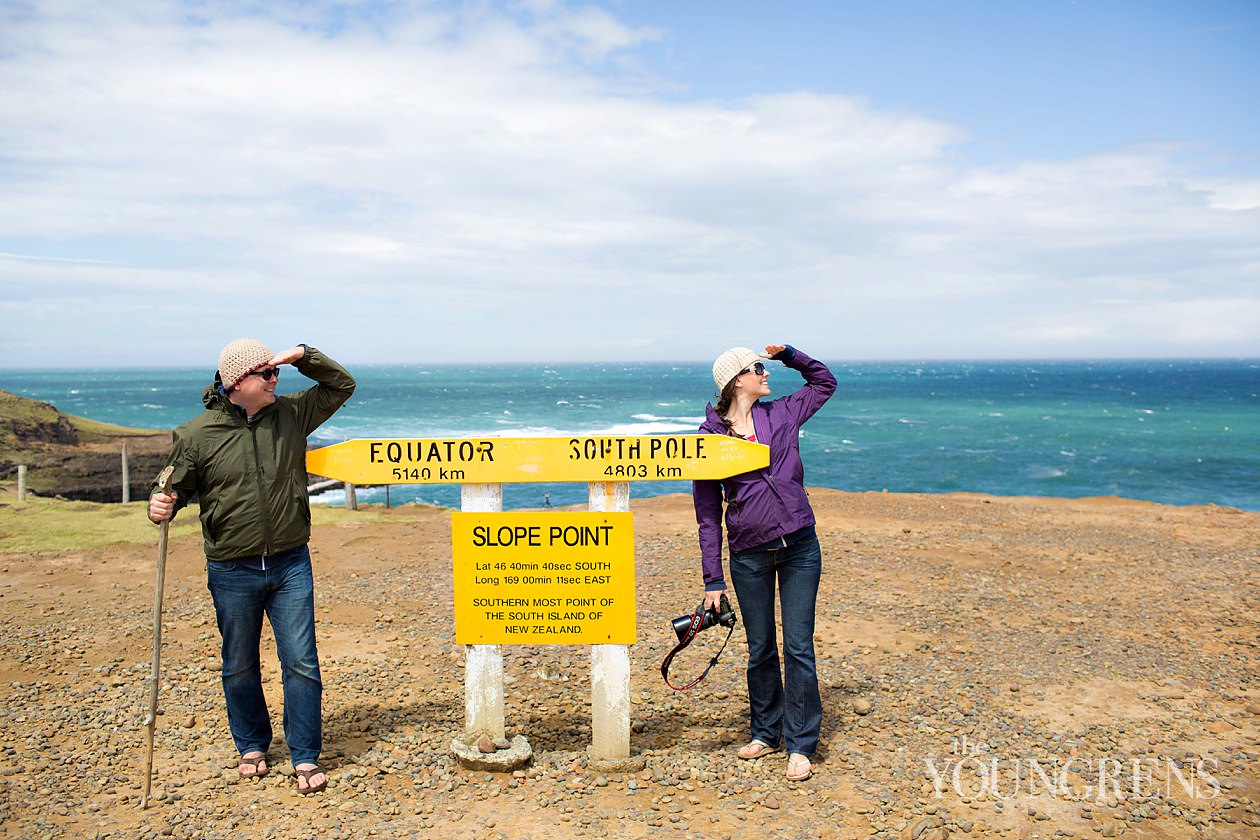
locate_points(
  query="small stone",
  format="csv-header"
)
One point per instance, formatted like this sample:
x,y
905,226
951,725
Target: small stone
x,y
191,722
772,802
862,706
486,745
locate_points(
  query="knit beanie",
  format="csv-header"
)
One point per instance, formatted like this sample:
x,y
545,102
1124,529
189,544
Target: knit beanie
x,y
730,363
241,357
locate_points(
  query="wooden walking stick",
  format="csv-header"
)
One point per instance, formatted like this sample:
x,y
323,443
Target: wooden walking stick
x,y
150,722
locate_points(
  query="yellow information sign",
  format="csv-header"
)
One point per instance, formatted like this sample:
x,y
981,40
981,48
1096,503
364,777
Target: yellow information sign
x,y
562,578
503,460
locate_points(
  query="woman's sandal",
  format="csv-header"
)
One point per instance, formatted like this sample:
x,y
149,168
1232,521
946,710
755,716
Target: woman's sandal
x,y
305,776
755,749
799,769
253,762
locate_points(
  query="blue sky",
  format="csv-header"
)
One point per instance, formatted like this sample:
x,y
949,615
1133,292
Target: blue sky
x,y
628,180
1041,78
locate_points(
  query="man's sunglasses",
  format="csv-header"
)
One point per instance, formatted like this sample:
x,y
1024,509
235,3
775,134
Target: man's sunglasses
x,y
266,373
757,368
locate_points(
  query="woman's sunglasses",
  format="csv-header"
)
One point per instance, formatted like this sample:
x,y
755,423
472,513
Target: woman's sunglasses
x,y
757,368
266,373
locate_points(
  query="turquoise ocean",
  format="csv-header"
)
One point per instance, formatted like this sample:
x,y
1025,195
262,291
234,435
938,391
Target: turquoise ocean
x,y
1179,432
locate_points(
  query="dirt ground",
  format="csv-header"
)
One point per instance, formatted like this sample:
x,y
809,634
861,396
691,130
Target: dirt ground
x,y
990,667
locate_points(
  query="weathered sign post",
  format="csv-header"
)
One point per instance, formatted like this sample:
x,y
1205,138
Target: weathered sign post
x,y
556,577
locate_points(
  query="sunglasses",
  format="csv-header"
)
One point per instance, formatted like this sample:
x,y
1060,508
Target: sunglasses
x,y
757,368
267,374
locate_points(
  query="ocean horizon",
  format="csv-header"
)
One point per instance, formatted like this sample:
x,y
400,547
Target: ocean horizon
x,y
1175,431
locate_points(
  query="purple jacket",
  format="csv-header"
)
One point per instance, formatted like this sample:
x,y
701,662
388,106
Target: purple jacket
x,y
765,504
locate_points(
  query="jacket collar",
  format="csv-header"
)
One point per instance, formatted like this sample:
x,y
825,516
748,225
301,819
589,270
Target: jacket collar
x,y
215,398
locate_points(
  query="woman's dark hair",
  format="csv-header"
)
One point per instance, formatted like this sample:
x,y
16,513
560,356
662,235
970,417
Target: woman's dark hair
x,y
724,405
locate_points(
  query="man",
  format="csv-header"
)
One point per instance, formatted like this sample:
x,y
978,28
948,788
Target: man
x,y
244,457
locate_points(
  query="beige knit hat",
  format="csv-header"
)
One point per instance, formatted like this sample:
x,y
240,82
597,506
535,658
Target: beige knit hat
x,y
239,358
730,363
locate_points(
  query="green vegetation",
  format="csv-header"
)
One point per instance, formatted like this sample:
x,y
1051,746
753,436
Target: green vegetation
x,y
23,413
43,524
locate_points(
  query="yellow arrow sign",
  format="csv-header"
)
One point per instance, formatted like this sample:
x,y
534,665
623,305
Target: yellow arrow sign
x,y
505,460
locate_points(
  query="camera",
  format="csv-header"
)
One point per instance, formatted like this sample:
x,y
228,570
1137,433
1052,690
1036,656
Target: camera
x,y
721,614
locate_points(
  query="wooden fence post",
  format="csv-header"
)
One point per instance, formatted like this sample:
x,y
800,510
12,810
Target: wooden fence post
x,y
126,476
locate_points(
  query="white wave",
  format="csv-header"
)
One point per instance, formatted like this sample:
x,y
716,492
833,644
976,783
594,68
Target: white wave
x,y
654,428
150,405
523,431
656,418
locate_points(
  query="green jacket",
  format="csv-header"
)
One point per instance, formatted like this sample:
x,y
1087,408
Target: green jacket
x,y
250,477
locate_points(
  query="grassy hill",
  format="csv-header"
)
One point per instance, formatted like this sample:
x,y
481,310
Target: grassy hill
x,y
75,457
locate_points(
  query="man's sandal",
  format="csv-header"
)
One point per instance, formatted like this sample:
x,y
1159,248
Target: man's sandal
x,y
253,762
755,749
799,768
305,776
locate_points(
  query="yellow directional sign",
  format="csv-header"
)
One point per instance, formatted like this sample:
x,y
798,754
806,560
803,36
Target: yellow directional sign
x,y
504,460
544,578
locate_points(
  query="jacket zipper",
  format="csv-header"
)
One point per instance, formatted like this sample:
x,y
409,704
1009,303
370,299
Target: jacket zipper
x,y
262,499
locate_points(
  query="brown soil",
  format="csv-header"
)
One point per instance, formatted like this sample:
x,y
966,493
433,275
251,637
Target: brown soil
x,y
955,631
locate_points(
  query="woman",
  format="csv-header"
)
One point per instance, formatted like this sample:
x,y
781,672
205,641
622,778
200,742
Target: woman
x,y
770,531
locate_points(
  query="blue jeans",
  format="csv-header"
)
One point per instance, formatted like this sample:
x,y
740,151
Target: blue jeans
x,y
788,706
285,592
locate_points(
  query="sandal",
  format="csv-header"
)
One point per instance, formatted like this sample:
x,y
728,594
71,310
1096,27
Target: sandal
x,y
799,769
755,749
253,762
305,776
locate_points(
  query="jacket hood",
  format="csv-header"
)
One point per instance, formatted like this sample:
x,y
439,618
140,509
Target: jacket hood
x,y
712,420
214,397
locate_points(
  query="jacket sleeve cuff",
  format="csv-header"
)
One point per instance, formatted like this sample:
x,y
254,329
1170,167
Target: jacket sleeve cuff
x,y
715,586
787,355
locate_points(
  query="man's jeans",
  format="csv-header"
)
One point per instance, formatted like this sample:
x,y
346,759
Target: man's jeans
x,y
285,592
794,711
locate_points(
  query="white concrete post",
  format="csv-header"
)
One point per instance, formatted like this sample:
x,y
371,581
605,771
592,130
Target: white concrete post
x,y
610,664
483,664
21,488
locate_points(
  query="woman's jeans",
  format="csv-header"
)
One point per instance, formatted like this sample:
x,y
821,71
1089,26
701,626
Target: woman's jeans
x,y
791,709
285,592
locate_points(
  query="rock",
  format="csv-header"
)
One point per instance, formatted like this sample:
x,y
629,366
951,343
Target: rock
x,y
486,745
862,706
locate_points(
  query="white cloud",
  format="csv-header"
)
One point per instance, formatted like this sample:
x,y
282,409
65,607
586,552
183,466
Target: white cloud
x,y
469,182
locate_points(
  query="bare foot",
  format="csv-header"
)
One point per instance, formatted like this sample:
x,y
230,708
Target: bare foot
x,y
251,764
310,778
